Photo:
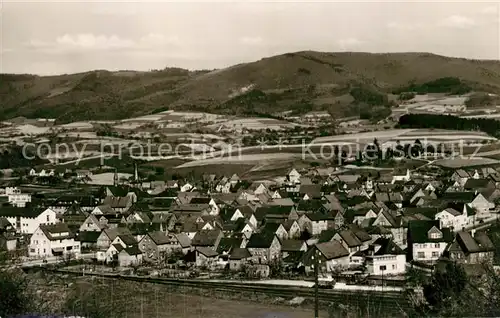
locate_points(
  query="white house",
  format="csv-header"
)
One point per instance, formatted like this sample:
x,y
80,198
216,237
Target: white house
x,y
453,219
27,220
18,199
186,187
482,206
401,176
385,258
293,176
53,240
427,241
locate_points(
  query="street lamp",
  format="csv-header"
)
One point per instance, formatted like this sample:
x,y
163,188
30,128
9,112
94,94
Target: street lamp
x,y
315,257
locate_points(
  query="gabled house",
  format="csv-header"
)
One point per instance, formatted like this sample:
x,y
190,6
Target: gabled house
x,y
207,238
426,241
332,256
264,248
292,227
27,220
384,257
452,218
276,213
53,240
214,208
276,229
471,248
91,224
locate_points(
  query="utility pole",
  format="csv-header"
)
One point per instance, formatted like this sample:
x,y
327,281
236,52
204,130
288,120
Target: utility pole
x,y
316,263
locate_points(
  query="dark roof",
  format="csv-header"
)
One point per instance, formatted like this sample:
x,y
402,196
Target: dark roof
x,y
128,239
326,235
332,249
350,238
132,250
291,245
118,202
312,190
54,231
464,197
207,251
261,240
28,211
480,243
238,253
474,184
206,238
159,238
200,201
274,210
88,236
418,232
227,244
387,246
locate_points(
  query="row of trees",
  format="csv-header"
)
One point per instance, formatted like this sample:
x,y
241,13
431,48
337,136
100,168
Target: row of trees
x,y
489,126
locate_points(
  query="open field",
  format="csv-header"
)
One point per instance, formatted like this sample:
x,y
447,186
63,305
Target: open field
x,y
466,162
407,134
253,124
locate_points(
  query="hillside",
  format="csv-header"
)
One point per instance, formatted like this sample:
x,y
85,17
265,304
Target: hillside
x,y
298,81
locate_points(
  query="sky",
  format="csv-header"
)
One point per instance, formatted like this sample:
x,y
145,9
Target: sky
x,y
46,38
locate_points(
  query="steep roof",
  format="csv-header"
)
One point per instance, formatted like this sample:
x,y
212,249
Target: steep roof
x,y
239,253
387,246
332,250
291,245
159,237
206,238
418,232
261,240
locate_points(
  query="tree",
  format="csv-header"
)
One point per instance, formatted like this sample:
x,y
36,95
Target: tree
x,y
15,295
305,235
446,285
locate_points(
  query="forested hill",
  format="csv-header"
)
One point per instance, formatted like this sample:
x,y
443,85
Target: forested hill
x,y
343,83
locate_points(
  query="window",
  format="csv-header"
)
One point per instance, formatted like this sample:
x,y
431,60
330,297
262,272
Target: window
x,y
435,254
435,235
48,218
436,245
393,266
383,267
420,255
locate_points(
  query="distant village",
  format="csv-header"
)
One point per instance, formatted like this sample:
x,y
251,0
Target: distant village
x,y
366,223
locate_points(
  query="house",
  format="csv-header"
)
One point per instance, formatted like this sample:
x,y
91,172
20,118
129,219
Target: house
x,y
471,248
53,240
130,256
16,198
206,257
310,191
315,223
186,187
277,229
238,257
119,204
402,175
351,241
214,208
83,174
453,219
292,228
264,247
26,220
293,177
156,246
385,258
276,213
207,238
88,239
460,176
109,235
331,256
426,241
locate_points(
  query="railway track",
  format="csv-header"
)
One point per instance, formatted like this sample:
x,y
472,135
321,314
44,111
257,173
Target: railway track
x,y
390,301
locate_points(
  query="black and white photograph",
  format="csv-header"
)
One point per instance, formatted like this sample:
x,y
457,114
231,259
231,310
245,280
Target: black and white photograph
x,y
249,159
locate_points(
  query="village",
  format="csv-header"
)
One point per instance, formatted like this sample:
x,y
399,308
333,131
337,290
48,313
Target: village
x,y
368,224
